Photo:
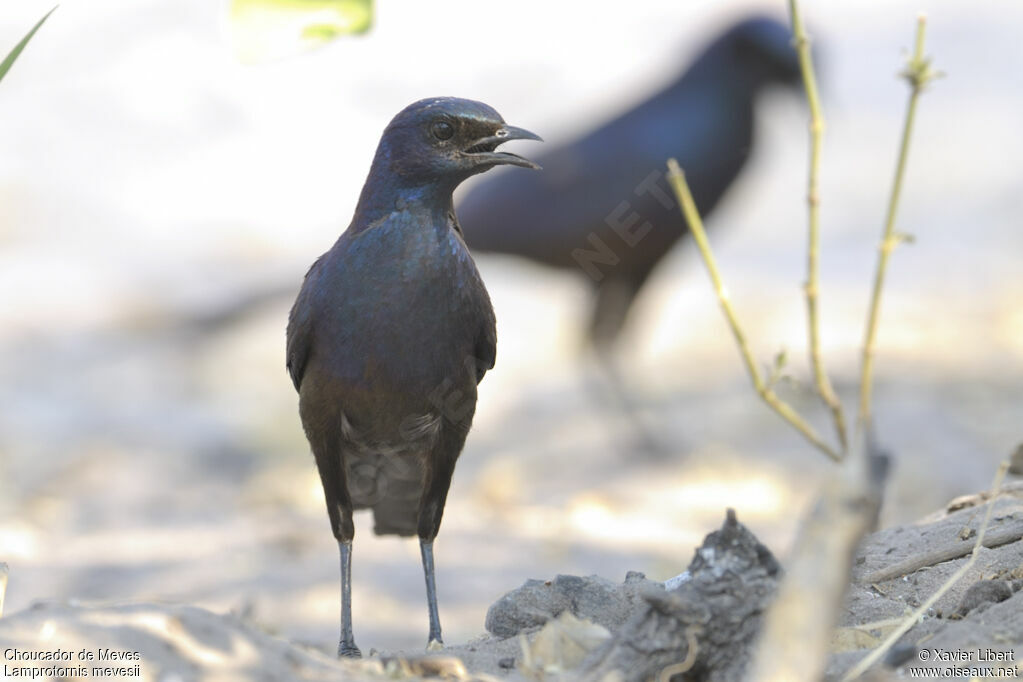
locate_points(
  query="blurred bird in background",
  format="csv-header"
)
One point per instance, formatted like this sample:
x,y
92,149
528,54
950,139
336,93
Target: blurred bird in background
x,y
392,331
602,206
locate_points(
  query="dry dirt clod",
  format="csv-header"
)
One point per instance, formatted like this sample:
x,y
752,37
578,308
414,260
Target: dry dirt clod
x,y
590,598
982,593
717,612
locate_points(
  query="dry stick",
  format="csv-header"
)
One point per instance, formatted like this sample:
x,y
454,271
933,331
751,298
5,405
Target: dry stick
x,y
939,555
796,634
765,391
794,640
824,388
918,72
911,620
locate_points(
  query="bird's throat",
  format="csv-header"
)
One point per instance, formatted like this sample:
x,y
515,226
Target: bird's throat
x,y
382,196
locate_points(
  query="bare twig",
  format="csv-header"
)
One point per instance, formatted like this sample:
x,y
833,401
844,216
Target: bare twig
x,y
796,638
954,550
874,656
823,384
795,641
918,72
765,391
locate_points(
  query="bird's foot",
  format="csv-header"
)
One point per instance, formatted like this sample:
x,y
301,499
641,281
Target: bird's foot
x,y
435,645
348,650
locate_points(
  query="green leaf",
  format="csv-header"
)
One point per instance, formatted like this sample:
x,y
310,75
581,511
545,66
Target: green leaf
x,y
270,29
8,61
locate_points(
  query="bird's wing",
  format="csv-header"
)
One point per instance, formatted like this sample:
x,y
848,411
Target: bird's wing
x,y
300,323
486,344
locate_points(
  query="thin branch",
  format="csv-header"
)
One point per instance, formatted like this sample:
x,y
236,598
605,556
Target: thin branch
x,y
823,384
685,198
939,555
918,72
874,656
796,635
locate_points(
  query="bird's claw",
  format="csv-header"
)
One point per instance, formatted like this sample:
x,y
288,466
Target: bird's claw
x,y
435,645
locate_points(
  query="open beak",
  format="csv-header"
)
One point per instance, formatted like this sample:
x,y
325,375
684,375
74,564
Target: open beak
x,y
483,150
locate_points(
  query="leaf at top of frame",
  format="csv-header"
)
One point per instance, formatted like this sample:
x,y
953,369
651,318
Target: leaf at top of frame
x,y
8,61
263,30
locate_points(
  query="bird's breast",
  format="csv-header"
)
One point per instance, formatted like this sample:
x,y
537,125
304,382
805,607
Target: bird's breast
x,y
401,309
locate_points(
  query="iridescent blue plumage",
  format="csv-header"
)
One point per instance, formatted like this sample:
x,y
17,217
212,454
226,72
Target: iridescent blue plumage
x,y
392,331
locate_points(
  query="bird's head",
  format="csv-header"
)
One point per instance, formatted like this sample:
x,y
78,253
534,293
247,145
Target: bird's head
x,y
445,140
762,49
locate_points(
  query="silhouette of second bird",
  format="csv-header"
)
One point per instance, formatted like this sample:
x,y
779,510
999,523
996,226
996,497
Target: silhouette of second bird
x,y
602,206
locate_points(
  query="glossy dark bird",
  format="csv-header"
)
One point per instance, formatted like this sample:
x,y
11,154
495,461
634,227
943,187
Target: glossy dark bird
x,y
393,330
602,206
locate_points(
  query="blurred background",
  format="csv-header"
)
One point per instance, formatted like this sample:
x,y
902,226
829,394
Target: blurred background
x,y
160,201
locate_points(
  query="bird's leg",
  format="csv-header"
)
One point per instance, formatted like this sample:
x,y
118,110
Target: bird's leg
x,y
610,311
644,435
426,549
329,462
441,466
346,647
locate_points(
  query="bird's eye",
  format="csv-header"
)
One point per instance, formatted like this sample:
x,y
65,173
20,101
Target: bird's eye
x,y
443,130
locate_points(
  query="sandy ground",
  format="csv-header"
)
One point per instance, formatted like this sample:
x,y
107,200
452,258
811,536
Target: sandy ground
x,y
974,628
142,461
